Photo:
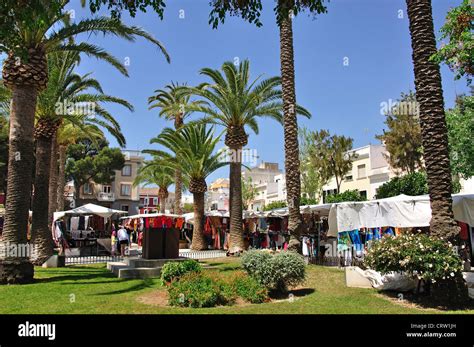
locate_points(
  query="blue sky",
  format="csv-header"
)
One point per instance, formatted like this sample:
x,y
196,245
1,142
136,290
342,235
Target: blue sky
x,y
344,99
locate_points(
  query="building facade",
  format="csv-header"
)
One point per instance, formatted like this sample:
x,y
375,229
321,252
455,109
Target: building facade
x,y
370,169
217,195
120,194
150,201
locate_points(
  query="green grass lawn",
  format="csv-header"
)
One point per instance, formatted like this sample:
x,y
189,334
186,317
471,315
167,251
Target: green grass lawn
x,y
93,289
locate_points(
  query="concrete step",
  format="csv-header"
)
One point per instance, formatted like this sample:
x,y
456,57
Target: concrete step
x,y
131,273
115,267
149,263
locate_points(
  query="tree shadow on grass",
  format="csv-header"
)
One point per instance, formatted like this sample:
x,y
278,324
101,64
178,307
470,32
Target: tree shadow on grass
x,y
298,293
144,284
72,278
438,302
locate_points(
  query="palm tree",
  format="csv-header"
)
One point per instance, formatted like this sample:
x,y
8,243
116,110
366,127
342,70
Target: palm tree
x,y
284,11
192,148
175,105
238,103
26,75
65,88
71,132
154,172
429,94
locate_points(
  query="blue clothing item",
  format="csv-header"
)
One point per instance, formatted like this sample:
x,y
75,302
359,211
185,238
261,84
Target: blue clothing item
x,y
390,232
262,224
355,237
343,241
369,235
377,233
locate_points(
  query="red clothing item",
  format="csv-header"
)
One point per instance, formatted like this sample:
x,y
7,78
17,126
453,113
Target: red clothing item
x,y
179,223
464,233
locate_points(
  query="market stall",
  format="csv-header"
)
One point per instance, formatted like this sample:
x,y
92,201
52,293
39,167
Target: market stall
x,y
159,233
357,224
83,226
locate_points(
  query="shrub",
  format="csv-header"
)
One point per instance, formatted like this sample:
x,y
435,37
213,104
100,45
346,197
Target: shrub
x,y
175,269
411,184
348,195
275,272
249,288
417,255
196,289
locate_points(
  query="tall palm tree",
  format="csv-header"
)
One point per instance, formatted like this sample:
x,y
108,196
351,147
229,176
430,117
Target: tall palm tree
x,y
237,103
65,88
250,10
153,172
175,105
192,150
27,75
429,94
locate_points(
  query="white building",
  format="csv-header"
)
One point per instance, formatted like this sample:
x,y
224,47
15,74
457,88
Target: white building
x,y
217,195
369,171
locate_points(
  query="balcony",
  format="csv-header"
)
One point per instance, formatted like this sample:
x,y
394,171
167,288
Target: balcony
x,y
106,196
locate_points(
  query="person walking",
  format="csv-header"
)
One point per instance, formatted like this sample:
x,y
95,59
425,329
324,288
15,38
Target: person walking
x,y
122,236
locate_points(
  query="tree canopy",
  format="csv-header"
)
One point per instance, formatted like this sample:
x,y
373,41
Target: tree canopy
x,y
403,135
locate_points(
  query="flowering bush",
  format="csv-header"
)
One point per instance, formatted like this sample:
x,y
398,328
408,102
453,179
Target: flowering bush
x,y
417,255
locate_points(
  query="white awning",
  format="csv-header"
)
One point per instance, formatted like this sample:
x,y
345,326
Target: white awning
x,y
89,209
399,211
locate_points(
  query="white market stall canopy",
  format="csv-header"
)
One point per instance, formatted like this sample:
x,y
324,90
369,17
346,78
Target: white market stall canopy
x,y
151,215
401,211
89,209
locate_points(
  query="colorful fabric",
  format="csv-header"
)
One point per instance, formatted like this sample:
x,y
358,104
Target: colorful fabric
x,y
343,241
355,238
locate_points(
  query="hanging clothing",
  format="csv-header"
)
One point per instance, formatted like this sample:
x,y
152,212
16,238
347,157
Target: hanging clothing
x,y
74,223
343,241
305,248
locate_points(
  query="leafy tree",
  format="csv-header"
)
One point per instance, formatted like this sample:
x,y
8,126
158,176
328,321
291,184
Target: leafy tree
x,y
309,201
348,195
403,136
458,53
249,192
311,181
460,122
275,204
411,184
116,7
331,155
86,163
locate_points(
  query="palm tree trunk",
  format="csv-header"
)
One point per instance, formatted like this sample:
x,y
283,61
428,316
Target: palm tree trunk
x,y
41,236
178,192
236,232
198,242
61,177
53,178
178,175
14,269
292,162
429,94
162,195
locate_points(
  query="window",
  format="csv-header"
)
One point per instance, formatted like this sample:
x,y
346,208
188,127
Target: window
x,y
155,201
127,170
87,188
146,201
125,189
124,208
363,194
348,178
361,172
106,189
